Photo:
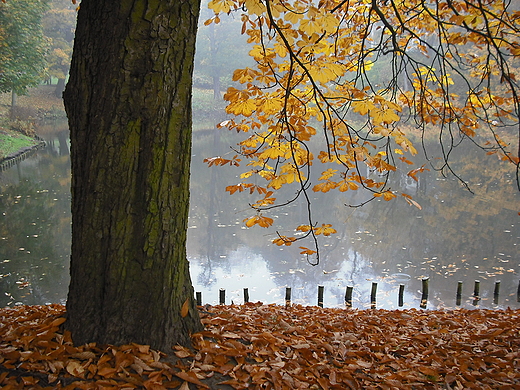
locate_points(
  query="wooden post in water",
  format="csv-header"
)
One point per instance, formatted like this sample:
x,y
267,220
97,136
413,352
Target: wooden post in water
x,y
518,292
198,298
458,298
496,293
246,295
287,296
424,297
373,293
222,296
476,293
401,295
348,297
320,296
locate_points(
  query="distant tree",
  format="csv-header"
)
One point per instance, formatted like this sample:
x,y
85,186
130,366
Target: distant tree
x,y
450,72
59,23
220,50
22,45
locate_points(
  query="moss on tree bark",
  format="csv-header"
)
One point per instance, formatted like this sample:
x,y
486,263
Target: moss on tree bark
x,y
129,106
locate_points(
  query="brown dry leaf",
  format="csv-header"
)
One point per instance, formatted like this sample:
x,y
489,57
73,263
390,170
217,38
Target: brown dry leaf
x,y
192,378
185,386
185,308
75,368
85,355
330,348
182,354
106,371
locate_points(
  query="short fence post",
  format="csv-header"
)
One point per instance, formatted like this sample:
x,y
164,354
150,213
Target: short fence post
x,y
458,298
222,296
287,296
373,293
246,295
518,292
320,296
476,293
496,293
198,298
424,297
348,296
401,295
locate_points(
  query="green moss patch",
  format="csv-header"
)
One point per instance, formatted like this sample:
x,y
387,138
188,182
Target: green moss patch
x,y
12,141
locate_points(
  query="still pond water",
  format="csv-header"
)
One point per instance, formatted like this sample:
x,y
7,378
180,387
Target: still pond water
x,y
456,236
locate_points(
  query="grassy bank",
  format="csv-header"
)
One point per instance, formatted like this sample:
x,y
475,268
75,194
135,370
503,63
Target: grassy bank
x,y
17,126
12,141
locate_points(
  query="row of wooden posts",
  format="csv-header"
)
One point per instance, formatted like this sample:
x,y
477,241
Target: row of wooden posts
x,y
14,159
373,292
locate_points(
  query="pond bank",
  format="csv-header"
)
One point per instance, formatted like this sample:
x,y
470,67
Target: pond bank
x,y
16,146
26,147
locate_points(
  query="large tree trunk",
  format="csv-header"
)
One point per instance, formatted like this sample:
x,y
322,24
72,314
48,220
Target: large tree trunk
x,y
129,106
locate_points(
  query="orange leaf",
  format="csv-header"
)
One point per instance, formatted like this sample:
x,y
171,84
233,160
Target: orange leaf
x,y
107,372
191,377
185,308
307,251
58,321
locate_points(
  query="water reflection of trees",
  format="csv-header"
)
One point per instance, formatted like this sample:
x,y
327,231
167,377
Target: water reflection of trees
x,y
456,235
453,234
35,230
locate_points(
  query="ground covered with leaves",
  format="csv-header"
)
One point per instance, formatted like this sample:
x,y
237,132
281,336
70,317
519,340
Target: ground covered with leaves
x,y
260,346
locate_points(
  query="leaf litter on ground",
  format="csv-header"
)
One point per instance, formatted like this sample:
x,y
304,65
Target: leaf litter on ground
x,y
257,346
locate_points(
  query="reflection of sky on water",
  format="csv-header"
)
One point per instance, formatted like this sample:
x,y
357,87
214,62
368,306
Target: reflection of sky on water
x,y
245,269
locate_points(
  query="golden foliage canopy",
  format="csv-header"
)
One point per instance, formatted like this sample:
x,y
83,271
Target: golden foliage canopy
x,y
317,91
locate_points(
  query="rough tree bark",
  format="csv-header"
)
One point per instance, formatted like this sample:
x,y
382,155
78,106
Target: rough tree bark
x,y
129,106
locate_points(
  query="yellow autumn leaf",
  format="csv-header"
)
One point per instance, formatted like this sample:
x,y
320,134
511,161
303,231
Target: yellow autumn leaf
x,y
280,50
367,65
258,52
241,107
304,228
244,75
254,7
329,22
310,26
343,187
325,229
328,174
272,153
325,72
250,221
272,106
293,17
325,187
384,116
387,195
259,220
277,182
363,106
307,251
219,6
265,221
284,240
